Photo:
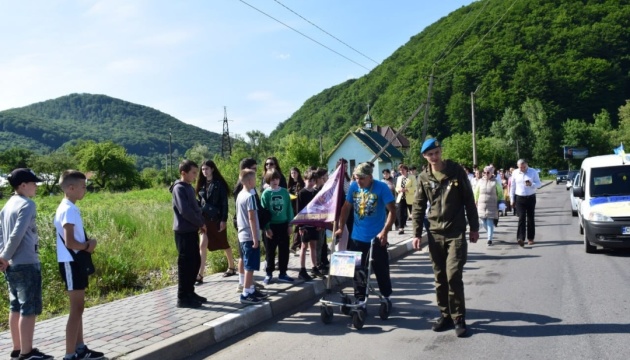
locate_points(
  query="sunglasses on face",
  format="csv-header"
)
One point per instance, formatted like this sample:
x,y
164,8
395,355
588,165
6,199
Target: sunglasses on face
x,y
270,163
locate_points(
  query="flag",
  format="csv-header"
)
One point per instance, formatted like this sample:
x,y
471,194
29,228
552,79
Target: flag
x,y
619,150
323,211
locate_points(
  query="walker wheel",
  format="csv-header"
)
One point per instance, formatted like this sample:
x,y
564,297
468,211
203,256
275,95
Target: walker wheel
x,y
326,313
358,319
344,309
384,311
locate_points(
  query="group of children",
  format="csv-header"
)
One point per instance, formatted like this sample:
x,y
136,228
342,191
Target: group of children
x,y
19,260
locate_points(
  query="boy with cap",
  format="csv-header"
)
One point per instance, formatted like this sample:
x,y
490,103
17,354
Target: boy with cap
x,y
369,200
445,185
19,260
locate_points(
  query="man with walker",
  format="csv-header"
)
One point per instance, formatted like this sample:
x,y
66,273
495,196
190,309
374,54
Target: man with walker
x,y
369,199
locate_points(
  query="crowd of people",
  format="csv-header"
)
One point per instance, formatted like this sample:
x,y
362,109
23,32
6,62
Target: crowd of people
x,y
444,200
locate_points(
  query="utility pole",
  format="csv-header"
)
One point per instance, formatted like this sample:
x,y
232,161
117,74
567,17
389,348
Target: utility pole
x,y
426,110
474,137
226,143
170,156
321,149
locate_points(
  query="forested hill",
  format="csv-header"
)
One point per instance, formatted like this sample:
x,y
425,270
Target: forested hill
x,y
143,131
572,55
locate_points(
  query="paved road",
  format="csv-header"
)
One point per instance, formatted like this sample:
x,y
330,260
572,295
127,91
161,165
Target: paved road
x,y
546,301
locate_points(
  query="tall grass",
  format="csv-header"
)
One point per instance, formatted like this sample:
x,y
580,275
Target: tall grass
x,y
136,252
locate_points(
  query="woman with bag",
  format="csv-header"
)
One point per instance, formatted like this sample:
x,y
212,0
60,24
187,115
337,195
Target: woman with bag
x,y
212,194
488,195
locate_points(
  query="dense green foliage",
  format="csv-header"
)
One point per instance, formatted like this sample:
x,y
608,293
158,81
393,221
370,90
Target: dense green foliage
x,y
573,56
143,131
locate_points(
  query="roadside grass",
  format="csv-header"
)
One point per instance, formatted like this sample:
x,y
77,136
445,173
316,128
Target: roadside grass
x,y
135,253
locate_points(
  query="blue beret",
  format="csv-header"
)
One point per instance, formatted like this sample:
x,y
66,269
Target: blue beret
x,y
429,144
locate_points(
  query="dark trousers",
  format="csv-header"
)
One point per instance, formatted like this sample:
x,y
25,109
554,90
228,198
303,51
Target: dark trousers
x,y
380,266
188,262
279,241
402,212
525,206
448,257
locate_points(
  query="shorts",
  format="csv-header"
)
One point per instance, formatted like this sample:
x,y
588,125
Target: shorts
x,y
75,277
310,234
25,288
251,256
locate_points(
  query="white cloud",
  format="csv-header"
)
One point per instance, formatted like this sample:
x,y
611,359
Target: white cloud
x,y
281,56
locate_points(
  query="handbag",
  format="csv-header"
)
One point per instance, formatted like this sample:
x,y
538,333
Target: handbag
x,y
83,259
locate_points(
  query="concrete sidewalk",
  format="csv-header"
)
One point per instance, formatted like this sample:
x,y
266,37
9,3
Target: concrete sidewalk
x,y
149,326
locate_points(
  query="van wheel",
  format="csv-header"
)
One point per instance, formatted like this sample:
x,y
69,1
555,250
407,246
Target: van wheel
x,y
590,249
581,229
574,213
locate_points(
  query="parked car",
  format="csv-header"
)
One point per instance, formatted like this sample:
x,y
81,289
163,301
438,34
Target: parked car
x,y
571,179
574,200
604,205
564,176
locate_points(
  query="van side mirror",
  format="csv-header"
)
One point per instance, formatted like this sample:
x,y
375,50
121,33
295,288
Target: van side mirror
x,y
578,192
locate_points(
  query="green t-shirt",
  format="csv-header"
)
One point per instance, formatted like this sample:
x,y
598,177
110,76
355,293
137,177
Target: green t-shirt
x,y
278,202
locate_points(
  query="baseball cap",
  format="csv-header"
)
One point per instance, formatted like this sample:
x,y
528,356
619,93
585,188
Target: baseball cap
x,y
22,175
363,169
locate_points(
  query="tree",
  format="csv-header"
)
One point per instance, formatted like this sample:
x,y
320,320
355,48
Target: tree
x,y
198,153
299,151
543,148
50,167
623,131
258,143
514,131
15,158
599,140
109,164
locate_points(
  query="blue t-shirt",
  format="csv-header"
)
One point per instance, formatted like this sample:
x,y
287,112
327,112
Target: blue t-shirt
x,y
369,209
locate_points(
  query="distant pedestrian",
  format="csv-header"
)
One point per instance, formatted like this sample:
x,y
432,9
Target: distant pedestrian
x,y
248,230
488,194
270,164
212,194
73,255
445,185
405,189
188,223
525,181
19,260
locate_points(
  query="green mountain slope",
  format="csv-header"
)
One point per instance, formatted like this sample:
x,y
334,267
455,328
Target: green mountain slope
x,y
572,55
143,131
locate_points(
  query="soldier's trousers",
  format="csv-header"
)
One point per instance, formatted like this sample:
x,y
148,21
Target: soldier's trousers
x,y
448,256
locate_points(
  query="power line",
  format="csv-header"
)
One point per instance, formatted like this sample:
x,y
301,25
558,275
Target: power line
x,y
480,40
327,33
306,36
451,46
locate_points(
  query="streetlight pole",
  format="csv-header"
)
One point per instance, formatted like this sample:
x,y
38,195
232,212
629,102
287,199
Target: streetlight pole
x,y
474,137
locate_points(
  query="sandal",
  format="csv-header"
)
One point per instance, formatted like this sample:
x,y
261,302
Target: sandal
x,y
199,280
229,272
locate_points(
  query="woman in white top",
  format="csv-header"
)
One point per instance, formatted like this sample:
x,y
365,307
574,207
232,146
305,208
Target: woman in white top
x,y
488,194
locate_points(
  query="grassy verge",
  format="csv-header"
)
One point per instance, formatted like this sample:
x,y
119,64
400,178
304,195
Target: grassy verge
x,y
136,252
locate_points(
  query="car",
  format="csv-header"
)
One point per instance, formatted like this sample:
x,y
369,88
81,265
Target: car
x,y
603,190
571,179
564,176
574,200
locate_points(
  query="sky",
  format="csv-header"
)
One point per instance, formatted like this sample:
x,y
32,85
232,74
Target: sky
x,y
190,58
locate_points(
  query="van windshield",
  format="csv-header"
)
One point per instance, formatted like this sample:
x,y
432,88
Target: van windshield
x,y
610,181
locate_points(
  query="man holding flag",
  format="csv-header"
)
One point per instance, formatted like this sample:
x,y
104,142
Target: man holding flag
x,y
369,199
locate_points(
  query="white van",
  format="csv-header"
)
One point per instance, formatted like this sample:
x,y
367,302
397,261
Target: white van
x,y
603,191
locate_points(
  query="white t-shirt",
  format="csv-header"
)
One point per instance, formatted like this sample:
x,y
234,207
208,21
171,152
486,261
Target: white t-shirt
x,y
244,203
68,213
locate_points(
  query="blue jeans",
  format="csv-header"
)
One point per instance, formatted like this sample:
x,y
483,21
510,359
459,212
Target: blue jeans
x,y
25,288
488,224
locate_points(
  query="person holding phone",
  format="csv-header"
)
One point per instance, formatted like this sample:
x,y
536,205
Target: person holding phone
x,y
525,181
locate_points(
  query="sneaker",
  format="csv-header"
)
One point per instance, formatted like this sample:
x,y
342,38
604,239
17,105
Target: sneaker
x,y
258,285
267,280
316,273
189,303
87,353
401,232
460,327
15,354
389,303
73,357
285,278
489,243
35,355
199,298
521,243
250,299
260,295
239,288
443,323
304,276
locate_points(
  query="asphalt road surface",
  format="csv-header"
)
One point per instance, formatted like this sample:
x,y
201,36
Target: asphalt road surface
x,y
546,301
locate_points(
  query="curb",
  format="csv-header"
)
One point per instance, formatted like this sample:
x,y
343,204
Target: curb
x,y
194,340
